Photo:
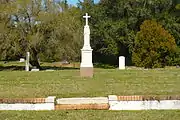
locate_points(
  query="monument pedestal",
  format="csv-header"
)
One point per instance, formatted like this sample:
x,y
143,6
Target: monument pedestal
x,y
86,67
86,71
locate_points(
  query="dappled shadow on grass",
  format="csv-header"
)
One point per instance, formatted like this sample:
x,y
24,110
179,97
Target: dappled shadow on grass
x,y
11,68
58,68
43,68
104,66
22,68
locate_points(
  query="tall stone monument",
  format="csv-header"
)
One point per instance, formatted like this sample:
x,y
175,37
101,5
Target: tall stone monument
x,y
86,67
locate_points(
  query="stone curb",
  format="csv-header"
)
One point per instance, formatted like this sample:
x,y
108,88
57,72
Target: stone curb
x,y
28,103
22,100
112,97
112,102
159,102
50,99
88,100
144,98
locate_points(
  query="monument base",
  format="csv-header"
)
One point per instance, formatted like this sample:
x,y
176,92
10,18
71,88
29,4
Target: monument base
x,y
86,71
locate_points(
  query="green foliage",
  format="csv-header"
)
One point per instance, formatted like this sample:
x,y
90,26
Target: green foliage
x,y
153,45
63,36
48,34
54,32
114,24
174,57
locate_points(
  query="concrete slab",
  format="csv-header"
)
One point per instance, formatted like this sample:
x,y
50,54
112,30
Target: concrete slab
x,y
94,100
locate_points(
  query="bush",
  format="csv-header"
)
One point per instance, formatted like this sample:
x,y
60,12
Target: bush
x,y
174,58
153,46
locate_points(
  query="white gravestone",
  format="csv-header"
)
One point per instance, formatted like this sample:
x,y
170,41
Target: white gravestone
x,y
121,62
86,67
22,60
27,61
34,70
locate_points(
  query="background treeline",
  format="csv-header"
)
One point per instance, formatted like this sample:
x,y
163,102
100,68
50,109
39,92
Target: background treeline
x,y
146,32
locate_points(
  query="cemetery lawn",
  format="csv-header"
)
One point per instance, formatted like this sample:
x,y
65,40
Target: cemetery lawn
x,y
90,115
68,83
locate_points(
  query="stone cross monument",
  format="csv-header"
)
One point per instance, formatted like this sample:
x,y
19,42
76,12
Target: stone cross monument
x,y
86,67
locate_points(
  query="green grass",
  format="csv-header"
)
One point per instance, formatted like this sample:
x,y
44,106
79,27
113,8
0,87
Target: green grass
x,y
68,83
90,115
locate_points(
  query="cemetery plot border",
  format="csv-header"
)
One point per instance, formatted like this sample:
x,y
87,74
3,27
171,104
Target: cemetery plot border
x,y
28,103
161,102
112,102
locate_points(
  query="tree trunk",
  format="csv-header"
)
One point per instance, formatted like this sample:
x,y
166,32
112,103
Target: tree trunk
x,y
34,59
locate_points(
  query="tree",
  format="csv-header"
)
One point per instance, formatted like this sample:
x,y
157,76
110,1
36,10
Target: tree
x,y
6,33
153,45
62,36
114,24
49,34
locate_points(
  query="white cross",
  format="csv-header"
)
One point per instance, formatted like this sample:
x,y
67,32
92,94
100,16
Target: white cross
x,y
86,17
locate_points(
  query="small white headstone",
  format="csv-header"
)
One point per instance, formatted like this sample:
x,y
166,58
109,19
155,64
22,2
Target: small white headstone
x,y
22,60
34,70
121,62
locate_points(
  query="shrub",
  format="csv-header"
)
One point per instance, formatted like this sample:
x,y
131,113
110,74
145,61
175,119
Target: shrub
x,y
153,46
174,58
